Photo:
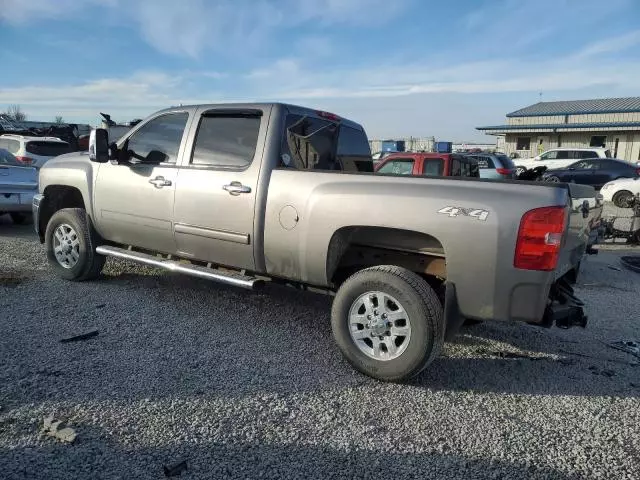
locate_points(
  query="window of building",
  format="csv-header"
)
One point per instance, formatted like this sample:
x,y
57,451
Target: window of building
x,y
523,143
598,141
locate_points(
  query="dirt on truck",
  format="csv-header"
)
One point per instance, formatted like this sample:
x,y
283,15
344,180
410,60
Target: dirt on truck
x,y
249,193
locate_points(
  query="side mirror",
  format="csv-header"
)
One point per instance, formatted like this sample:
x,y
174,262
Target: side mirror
x,y
99,145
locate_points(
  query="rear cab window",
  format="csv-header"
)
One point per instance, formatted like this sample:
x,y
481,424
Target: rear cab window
x,y
46,148
314,143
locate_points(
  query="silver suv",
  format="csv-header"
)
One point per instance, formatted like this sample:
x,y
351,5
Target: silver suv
x,y
33,151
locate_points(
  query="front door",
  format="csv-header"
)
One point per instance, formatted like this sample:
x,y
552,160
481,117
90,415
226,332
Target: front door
x,y
218,187
134,201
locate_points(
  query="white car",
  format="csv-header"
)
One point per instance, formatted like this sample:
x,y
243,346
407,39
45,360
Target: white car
x,y
560,158
33,151
621,191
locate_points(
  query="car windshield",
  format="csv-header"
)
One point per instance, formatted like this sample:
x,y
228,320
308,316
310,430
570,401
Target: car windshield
x,y
6,158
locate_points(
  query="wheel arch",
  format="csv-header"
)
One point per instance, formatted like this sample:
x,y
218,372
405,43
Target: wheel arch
x,y
57,197
353,248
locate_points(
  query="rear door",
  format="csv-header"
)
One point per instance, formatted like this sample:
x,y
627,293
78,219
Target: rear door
x,y
217,189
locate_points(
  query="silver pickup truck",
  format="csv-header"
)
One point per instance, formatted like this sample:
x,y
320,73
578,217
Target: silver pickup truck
x,y
248,193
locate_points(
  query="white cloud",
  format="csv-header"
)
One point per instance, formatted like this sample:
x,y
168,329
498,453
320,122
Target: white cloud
x,y
610,45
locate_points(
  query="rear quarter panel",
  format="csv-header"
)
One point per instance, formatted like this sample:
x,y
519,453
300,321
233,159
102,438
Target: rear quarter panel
x,y
479,253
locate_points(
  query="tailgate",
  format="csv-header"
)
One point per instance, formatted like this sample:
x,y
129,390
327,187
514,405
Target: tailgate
x,y
586,209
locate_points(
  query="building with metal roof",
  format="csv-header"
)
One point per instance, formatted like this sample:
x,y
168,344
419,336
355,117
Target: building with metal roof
x,y
613,123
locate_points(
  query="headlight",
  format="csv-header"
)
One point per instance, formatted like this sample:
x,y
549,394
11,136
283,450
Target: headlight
x,y
605,186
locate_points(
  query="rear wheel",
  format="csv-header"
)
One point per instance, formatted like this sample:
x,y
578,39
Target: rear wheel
x,y
388,322
623,199
70,241
552,179
520,170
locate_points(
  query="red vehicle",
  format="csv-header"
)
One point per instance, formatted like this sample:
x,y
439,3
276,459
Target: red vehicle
x,y
430,164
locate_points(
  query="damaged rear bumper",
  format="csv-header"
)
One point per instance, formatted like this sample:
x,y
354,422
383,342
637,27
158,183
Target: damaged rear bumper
x,y
564,308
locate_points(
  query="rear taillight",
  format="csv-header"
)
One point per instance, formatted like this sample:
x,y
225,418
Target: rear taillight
x,y
25,160
504,171
540,238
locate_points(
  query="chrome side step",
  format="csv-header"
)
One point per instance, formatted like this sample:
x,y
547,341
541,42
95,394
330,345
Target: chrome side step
x,y
229,278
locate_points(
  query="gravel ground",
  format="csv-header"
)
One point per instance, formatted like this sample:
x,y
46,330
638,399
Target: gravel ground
x,y
250,385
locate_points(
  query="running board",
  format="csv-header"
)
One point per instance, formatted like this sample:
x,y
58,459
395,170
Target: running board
x,y
229,278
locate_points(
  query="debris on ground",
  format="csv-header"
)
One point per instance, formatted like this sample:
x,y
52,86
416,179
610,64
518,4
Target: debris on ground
x,y
52,428
613,267
84,336
627,346
175,469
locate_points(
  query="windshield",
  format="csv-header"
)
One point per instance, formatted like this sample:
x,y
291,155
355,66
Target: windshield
x,y
6,158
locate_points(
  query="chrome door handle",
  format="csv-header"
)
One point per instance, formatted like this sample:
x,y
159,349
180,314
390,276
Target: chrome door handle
x,y
160,182
236,188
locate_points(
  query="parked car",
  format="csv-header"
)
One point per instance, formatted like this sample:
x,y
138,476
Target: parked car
x,y
429,164
495,165
621,192
406,258
18,185
595,172
33,151
559,158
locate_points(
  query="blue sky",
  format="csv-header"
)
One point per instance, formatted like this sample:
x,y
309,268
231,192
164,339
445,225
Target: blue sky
x,y
401,67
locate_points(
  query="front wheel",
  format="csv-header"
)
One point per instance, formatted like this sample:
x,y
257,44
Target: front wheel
x,y
388,322
71,242
623,199
552,179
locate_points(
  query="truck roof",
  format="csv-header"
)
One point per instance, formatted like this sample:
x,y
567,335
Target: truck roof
x,y
295,109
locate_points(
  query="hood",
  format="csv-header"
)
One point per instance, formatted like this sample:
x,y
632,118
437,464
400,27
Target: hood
x,y
67,160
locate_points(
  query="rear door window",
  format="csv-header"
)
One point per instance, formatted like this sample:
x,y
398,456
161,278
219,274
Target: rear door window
x,y
588,154
432,167
401,166
9,144
226,141
47,149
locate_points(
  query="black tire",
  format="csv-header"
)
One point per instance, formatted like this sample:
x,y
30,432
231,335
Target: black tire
x,y
552,179
422,306
622,199
520,171
89,264
18,218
